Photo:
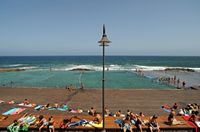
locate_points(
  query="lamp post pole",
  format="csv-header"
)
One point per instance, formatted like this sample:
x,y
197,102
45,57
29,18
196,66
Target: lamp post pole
x,y
103,42
103,83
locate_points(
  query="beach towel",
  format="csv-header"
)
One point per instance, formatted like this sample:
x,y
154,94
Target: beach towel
x,y
166,108
10,111
189,122
82,122
92,124
38,107
61,109
76,111
25,105
197,123
28,120
17,128
19,110
14,111
119,122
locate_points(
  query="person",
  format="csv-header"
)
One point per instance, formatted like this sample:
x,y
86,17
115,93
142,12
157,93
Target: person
x,y
47,106
141,114
153,124
70,87
56,105
97,119
139,123
41,123
128,113
171,117
133,118
92,111
126,124
51,124
119,114
26,102
107,112
82,86
13,126
172,120
175,106
178,83
65,122
183,84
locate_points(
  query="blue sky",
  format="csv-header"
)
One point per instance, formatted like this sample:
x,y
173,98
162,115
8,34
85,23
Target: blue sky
x,y
73,27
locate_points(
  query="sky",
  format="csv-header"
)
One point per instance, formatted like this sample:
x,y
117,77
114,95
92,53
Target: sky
x,y
74,27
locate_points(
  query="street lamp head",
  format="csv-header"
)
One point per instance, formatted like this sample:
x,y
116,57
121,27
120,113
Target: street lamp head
x,y
104,40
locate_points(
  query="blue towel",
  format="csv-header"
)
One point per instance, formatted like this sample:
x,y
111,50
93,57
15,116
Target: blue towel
x,y
10,111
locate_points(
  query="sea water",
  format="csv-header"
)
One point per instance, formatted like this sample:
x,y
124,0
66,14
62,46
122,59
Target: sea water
x,y
62,71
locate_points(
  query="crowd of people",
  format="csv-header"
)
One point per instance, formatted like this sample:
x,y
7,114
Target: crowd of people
x,y
172,81
125,121
138,120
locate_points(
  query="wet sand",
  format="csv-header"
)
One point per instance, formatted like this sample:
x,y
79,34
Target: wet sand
x,y
146,101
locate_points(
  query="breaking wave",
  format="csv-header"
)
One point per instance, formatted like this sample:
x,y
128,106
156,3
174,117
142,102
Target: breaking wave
x,y
116,67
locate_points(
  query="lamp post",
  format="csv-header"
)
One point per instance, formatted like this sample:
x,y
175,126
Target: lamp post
x,y
103,42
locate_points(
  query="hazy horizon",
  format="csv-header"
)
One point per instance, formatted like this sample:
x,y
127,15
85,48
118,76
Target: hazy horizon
x,y
73,28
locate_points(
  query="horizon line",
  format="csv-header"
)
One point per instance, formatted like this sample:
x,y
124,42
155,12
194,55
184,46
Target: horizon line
x,y
100,55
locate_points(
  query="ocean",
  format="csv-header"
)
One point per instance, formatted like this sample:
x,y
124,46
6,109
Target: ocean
x,y
62,71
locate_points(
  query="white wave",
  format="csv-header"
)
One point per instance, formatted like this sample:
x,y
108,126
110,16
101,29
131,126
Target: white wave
x,y
74,67
150,68
15,65
161,68
196,69
91,68
116,67
28,67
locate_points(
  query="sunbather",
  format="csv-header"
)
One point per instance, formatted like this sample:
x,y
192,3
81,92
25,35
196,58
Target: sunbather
x,y
97,119
26,102
92,111
51,124
172,120
107,112
126,125
153,124
56,105
13,126
119,114
22,124
41,123
139,123
65,122
47,106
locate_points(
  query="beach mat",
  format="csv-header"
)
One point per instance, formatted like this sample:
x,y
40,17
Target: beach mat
x,y
38,107
92,124
13,111
29,105
61,109
186,118
166,108
10,111
18,111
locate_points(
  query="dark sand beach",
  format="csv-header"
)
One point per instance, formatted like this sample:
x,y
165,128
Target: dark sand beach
x,y
146,101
